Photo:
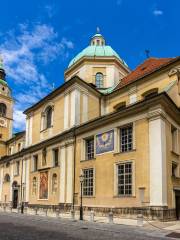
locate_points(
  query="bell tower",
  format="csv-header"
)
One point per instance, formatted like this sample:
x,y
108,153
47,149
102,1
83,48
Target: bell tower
x,y
6,111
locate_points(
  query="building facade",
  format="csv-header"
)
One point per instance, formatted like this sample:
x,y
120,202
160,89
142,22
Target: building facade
x,y
118,128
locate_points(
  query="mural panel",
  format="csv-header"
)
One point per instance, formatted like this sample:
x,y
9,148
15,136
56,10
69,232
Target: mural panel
x,y
105,142
43,191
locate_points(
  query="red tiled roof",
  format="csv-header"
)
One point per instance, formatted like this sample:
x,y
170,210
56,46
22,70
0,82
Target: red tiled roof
x,y
147,67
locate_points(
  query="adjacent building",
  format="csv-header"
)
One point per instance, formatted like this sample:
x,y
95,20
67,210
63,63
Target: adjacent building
x,y
118,128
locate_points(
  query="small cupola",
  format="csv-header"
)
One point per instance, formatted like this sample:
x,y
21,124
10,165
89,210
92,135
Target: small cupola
x,y
97,39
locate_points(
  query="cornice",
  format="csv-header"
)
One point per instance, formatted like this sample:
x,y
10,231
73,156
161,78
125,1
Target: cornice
x,y
156,113
61,90
159,105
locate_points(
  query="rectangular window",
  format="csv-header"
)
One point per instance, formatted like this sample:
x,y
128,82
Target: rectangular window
x,y
16,168
19,147
124,172
174,169
55,157
88,183
35,163
174,133
10,151
89,148
126,138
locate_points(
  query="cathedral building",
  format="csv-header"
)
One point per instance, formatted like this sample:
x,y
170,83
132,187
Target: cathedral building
x,y
118,129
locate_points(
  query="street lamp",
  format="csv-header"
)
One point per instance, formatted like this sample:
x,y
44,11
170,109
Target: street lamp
x,y
81,178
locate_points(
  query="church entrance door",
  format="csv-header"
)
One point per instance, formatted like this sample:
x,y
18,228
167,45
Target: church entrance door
x,y
15,198
177,197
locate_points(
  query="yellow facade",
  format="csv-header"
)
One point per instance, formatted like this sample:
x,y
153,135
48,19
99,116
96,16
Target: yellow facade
x,y
45,162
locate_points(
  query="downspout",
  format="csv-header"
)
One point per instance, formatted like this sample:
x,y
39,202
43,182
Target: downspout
x,y
74,168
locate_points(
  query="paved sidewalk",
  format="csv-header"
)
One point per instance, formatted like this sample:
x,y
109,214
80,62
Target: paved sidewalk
x,y
15,226
148,224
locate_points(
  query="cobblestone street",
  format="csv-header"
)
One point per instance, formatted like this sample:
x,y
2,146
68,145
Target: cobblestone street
x,y
25,227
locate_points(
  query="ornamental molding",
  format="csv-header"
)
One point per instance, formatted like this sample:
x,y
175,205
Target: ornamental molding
x,y
174,71
156,113
76,86
132,90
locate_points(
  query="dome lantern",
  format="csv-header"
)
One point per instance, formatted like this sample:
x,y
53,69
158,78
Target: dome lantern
x,y
97,39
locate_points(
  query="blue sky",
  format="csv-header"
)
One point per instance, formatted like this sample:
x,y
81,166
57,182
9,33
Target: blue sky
x,y
39,38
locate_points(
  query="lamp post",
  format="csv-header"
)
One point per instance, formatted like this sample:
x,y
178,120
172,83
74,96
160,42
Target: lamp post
x,y
81,177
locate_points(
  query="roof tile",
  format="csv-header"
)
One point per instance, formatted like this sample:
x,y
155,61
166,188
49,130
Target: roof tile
x,y
147,67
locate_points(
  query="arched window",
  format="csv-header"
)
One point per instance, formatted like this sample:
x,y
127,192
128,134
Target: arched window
x,y
120,106
150,93
3,109
54,183
7,178
48,115
15,184
34,186
99,80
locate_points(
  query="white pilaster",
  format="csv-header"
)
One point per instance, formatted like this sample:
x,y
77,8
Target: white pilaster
x,y
1,183
11,180
30,130
69,180
66,111
27,132
27,180
157,158
75,108
62,175
85,108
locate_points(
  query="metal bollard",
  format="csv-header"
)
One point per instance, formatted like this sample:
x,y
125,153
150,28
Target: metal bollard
x,y
140,220
72,214
92,216
110,217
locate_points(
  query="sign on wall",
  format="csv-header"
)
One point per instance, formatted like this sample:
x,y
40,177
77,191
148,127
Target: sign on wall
x,y
105,142
43,191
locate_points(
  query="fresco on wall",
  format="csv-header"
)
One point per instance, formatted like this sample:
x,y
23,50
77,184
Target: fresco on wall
x,y
43,191
105,142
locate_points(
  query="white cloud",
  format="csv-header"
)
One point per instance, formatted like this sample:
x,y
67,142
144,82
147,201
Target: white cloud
x,y
158,12
24,52
19,119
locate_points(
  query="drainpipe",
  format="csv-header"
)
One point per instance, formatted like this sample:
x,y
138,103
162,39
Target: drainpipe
x,y
74,166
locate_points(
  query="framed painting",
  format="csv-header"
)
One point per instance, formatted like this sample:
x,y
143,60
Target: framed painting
x,y
43,191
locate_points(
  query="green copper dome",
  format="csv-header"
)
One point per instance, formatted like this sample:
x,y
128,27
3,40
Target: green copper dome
x,y
97,48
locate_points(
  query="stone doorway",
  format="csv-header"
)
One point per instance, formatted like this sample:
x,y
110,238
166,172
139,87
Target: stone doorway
x,y
15,198
15,192
177,198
